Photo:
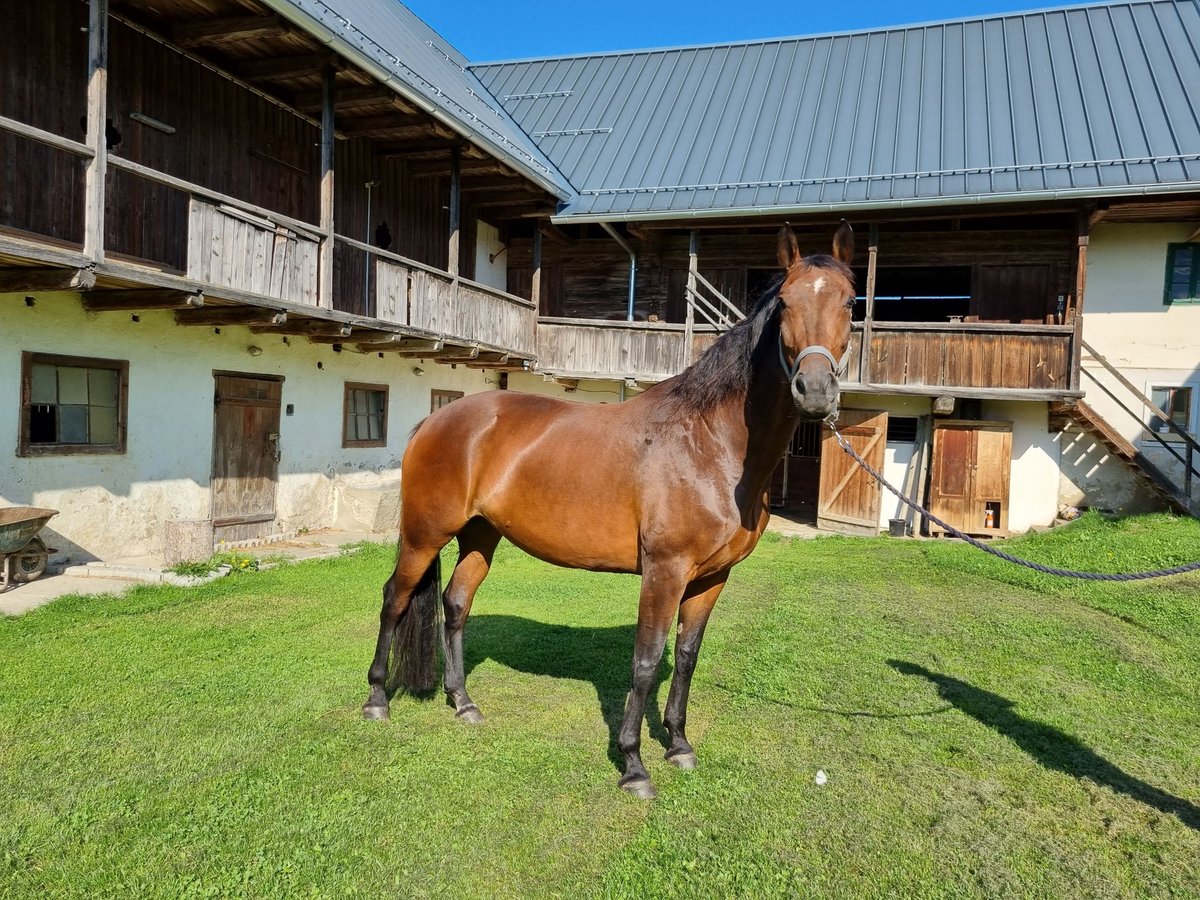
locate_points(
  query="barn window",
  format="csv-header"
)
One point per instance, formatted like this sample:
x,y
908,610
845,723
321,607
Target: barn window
x,y
72,404
438,399
1183,274
364,418
902,429
1176,402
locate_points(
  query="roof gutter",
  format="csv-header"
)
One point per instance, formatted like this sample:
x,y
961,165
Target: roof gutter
x,y
322,33
869,205
632,266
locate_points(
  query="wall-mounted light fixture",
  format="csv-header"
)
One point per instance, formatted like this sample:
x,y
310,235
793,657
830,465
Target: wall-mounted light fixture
x,y
418,371
254,351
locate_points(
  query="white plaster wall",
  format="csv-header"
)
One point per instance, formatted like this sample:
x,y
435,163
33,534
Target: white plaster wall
x,y
115,504
487,243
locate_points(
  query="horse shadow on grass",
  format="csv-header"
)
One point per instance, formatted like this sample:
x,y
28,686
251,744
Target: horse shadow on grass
x,y
1050,746
601,656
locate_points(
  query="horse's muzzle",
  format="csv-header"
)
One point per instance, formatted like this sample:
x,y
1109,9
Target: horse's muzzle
x,y
815,395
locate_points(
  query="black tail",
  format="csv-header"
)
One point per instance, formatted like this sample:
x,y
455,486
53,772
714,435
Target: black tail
x,y
414,663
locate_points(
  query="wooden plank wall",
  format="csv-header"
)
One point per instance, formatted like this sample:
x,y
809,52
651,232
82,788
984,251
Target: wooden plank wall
x,y
968,358
437,304
236,251
43,55
575,347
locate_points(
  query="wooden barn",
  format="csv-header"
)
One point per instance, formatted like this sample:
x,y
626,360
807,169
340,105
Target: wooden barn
x,y
245,245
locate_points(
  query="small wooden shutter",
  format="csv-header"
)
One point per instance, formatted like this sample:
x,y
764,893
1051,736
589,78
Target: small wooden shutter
x,y
849,498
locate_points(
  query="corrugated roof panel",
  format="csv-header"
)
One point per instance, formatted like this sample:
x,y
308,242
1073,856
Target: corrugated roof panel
x,y
1086,98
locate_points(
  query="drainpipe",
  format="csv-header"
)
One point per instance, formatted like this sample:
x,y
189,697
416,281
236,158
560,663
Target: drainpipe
x,y
632,265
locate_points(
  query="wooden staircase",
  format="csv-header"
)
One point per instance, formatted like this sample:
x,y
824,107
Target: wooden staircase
x,y
1142,469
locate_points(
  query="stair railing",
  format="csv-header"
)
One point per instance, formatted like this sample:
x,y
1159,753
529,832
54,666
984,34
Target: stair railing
x,y
1188,440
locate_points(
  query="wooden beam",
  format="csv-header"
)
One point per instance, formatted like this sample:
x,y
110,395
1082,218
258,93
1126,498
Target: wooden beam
x,y
325,254
402,345
424,168
97,120
230,315
504,198
535,289
455,208
140,298
386,123
285,67
357,335
46,279
212,32
552,231
864,362
689,296
310,328
475,183
412,148
352,98
487,359
458,355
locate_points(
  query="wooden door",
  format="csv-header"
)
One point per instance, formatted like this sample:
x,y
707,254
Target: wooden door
x,y
849,498
1014,294
245,455
970,476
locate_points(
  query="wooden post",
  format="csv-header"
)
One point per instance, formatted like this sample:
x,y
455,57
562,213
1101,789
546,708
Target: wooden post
x,y
1077,307
325,287
97,120
535,290
689,320
452,266
864,360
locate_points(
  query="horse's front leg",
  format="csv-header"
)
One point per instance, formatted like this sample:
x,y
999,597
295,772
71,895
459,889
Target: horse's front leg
x,y
662,588
698,603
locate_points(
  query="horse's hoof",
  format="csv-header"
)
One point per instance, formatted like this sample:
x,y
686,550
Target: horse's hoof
x,y
685,761
639,787
470,714
375,713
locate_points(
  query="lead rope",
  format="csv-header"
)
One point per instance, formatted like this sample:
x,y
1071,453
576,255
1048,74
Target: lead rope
x,y
974,542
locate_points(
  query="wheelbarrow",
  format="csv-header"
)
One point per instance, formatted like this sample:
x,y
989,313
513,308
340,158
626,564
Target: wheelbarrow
x,y
23,555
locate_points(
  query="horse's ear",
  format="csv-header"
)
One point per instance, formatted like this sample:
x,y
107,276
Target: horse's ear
x,y
843,243
788,248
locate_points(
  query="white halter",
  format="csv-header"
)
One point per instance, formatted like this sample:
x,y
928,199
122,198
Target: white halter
x,y
812,350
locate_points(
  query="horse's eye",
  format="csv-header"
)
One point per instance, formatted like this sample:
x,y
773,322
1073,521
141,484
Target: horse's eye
x,y
850,303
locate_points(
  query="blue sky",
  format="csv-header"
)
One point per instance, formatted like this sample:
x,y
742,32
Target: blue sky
x,y
488,30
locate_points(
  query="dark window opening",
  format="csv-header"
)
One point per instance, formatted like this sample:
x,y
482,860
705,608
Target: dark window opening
x,y
916,293
902,429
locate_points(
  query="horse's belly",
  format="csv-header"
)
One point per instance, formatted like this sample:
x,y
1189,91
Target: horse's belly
x,y
578,523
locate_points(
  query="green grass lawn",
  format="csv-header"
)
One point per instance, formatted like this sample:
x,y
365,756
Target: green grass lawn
x,y
986,731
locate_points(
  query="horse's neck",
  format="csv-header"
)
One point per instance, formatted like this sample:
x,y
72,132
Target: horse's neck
x,y
762,422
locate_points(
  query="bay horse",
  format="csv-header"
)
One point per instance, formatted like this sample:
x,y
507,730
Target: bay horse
x,y
671,485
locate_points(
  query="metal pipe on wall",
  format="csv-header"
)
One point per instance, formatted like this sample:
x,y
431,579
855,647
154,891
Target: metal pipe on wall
x,y
632,266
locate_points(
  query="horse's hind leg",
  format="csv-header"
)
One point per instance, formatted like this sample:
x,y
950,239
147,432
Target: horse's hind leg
x,y
476,544
414,568
697,604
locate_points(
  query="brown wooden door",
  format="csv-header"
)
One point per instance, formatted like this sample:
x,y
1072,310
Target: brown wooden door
x,y
245,456
970,475
1014,294
849,498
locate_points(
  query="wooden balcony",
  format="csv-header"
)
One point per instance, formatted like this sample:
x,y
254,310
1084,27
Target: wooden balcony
x,y
966,359
1030,362
641,351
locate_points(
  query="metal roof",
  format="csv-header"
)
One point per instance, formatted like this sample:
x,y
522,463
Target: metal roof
x,y
392,43
1082,101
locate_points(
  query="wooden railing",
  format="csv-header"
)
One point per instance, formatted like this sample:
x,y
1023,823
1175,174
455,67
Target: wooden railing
x,y
647,351
407,292
976,355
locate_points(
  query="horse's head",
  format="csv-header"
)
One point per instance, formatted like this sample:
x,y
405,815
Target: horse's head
x,y
816,301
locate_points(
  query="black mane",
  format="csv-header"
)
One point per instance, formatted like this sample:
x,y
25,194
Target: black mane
x,y
727,367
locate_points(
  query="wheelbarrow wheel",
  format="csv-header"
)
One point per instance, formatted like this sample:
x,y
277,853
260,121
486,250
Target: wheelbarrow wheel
x,y
30,563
